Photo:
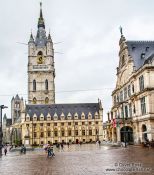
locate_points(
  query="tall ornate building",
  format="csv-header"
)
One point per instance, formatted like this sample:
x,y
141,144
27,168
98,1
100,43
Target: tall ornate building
x,y
41,72
17,106
132,114
43,121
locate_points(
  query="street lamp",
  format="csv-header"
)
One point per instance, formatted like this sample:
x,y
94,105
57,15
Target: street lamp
x,y
1,132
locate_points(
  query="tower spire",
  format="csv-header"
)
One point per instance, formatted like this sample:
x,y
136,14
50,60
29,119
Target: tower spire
x,y
41,15
41,20
122,38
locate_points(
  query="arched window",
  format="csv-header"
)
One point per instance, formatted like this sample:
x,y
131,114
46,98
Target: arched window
x,y
46,85
123,61
34,85
34,100
40,53
46,100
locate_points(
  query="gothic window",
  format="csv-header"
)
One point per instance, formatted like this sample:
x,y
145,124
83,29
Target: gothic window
x,y
49,133
126,111
76,132
133,88
69,132
62,133
122,112
83,132
141,82
130,110
55,133
42,134
34,100
118,98
46,85
121,96
125,93
46,100
143,106
123,61
90,132
129,91
34,85
115,98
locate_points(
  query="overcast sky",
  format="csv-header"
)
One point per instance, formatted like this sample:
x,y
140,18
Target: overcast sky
x,y
89,32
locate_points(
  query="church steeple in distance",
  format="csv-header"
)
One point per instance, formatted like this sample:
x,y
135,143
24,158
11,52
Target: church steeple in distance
x,y
41,20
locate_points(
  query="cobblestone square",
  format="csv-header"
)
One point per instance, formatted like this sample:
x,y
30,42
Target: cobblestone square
x,y
80,160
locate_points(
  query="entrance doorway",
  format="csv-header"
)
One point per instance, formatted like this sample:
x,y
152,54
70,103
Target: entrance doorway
x,y
126,133
144,133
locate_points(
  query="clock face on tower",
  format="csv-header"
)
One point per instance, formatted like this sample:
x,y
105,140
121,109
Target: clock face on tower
x,y
40,59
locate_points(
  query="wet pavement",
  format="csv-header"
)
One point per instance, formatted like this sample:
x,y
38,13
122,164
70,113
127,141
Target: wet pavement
x,y
81,160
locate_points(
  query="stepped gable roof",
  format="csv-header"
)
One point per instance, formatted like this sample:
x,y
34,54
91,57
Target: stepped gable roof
x,y
63,108
140,51
8,122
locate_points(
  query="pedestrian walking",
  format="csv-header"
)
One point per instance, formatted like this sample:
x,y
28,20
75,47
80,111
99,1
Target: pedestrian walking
x,y
99,142
52,153
5,150
62,146
49,151
68,144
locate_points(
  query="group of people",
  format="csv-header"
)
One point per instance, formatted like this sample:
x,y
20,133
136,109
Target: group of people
x,y
98,142
60,145
49,150
148,143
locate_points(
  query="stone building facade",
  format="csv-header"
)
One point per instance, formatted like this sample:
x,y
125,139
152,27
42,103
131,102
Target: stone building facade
x,y
43,121
41,72
132,114
17,107
7,122
65,123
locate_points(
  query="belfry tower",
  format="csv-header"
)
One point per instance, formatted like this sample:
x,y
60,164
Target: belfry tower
x,y
41,72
